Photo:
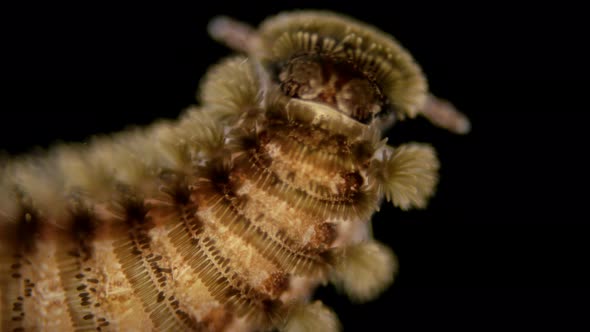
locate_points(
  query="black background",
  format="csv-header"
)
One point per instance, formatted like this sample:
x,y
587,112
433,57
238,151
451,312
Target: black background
x,y
503,245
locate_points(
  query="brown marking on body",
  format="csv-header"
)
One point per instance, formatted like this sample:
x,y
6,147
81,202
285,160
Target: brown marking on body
x,y
217,319
324,235
276,284
351,185
83,231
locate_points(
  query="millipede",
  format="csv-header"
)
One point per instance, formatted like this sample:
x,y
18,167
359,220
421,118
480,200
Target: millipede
x,y
228,218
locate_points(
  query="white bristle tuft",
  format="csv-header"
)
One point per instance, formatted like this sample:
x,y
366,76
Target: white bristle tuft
x,y
365,270
311,317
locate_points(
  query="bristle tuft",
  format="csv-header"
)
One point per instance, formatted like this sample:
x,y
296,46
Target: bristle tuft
x,y
365,270
230,88
311,317
408,175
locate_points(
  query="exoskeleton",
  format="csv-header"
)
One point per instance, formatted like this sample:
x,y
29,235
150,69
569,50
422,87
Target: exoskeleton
x,y
228,218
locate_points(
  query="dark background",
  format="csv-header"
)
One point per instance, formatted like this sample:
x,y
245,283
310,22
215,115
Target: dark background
x,y
503,245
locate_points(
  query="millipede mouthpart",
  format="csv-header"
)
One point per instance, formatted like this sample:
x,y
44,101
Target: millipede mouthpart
x,y
228,218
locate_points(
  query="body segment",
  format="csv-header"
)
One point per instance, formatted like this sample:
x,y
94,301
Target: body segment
x,y
228,218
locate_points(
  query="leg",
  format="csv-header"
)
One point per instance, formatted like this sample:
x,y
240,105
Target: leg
x,y
443,114
243,38
236,35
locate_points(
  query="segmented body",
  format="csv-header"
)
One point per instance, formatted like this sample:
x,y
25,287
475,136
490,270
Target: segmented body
x,y
228,218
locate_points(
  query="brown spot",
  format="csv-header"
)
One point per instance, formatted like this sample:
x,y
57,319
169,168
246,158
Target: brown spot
x,y
136,212
271,307
215,180
217,319
362,152
276,284
352,183
83,231
87,317
180,193
248,141
324,235
358,99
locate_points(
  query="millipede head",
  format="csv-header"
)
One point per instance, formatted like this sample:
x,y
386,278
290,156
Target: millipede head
x,y
342,62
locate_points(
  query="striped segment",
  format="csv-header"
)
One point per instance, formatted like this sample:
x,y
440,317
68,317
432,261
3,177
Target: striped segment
x,y
16,280
316,149
353,205
196,244
13,293
80,295
276,247
149,281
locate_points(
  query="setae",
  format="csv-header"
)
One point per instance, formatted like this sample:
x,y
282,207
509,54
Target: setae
x,y
229,217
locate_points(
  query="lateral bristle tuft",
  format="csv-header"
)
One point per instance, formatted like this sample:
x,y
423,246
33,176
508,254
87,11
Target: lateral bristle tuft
x,y
364,270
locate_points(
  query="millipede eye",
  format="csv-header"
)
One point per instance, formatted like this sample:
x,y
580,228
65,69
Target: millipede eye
x,y
302,77
359,99
334,83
